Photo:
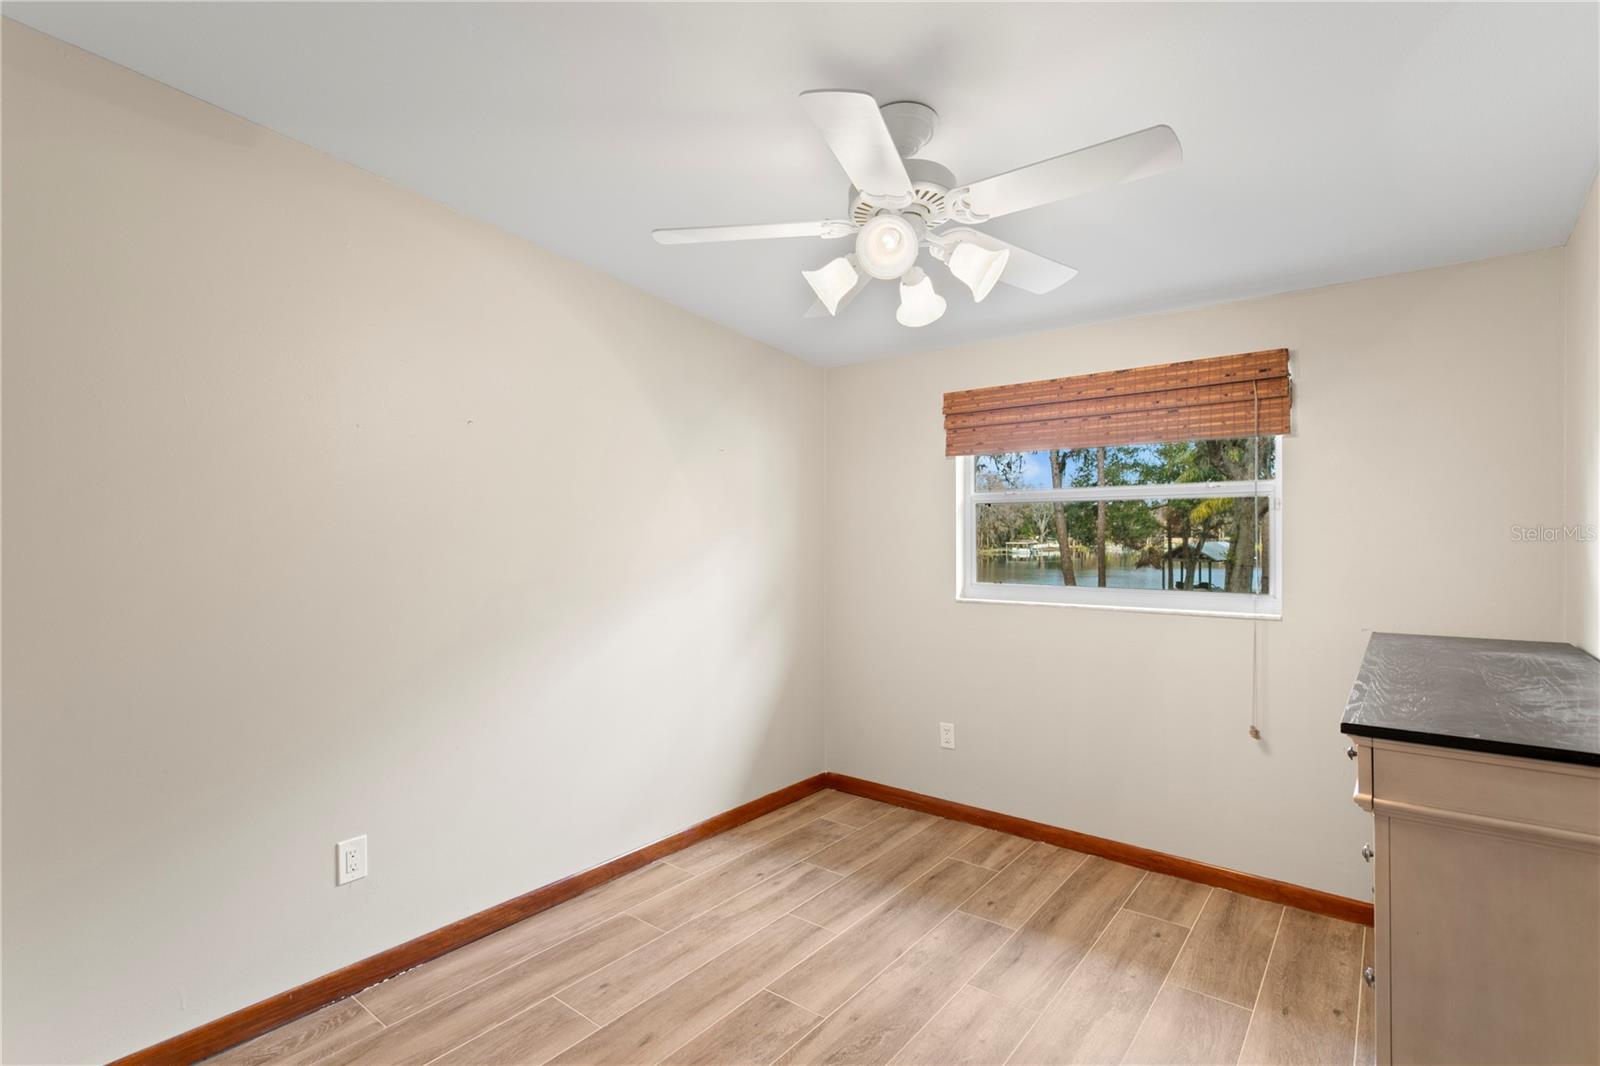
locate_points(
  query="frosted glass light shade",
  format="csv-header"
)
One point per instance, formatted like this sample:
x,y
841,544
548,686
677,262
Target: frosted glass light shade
x,y
886,247
833,281
919,304
978,268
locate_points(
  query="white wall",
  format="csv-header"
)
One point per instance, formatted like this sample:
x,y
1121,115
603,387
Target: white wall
x,y
1582,446
1427,422
328,512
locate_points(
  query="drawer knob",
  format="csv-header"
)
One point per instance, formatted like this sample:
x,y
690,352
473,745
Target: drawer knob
x,y
1350,752
1369,977
1366,852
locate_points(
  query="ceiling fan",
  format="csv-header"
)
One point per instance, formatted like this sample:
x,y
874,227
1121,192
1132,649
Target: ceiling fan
x,y
899,205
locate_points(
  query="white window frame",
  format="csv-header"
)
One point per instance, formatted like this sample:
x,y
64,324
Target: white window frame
x,y
1165,601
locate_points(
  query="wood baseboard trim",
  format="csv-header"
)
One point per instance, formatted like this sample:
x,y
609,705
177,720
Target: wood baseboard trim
x,y
1306,899
206,1040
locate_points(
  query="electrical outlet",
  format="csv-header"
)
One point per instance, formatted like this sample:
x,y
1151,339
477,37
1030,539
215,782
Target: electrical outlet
x,y
350,857
947,734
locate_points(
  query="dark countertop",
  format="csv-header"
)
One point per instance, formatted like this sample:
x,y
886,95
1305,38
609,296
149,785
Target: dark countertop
x,y
1509,697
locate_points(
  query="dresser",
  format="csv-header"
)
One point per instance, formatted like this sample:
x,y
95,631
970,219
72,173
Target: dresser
x,y
1479,761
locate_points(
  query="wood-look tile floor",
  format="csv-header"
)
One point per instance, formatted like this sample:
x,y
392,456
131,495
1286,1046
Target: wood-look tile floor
x,y
842,930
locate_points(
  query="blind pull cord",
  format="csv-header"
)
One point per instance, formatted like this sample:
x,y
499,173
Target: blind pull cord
x,y
1255,586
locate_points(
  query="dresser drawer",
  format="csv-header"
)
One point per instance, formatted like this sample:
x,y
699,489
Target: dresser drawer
x,y
1549,800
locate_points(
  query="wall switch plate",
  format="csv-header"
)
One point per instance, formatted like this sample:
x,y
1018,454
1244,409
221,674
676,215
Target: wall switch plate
x,y
351,860
947,734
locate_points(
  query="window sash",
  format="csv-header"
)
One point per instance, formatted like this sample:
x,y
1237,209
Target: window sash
x,y
1189,490
1268,605
1158,601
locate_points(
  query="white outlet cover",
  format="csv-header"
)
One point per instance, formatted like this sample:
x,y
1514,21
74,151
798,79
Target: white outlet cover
x,y
947,734
350,860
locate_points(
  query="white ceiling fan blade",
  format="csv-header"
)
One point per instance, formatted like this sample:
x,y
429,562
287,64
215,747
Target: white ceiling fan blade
x,y
1028,271
853,127
1032,272
1129,158
759,232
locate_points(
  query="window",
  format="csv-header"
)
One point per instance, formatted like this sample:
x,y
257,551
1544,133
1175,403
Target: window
x,y
1192,525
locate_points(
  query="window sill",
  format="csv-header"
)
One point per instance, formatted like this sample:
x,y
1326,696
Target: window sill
x,y
1270,610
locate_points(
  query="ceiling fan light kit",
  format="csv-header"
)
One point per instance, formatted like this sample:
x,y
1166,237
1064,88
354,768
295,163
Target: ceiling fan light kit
x,y
977,267
919,304
899,205
833,281
887,246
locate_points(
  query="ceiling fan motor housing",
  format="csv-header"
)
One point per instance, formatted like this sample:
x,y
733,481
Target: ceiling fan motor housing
x,y
930,194
911,125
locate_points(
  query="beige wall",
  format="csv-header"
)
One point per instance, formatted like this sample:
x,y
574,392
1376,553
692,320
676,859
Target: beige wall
x,y
331,512
1582,421
1427,422
328,511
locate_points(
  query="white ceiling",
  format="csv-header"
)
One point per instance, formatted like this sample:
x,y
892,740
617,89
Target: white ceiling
x,y
1322,143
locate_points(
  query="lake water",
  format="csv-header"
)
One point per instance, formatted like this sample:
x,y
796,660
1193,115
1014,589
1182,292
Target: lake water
x,y
1002,569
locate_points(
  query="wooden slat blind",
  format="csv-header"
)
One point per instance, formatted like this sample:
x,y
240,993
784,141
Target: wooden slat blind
x,y
1200,399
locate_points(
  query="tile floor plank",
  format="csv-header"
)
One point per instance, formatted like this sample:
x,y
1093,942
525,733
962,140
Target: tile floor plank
x,y
447,1024
860,848
409,992
756,1033
649,1032
838,970
531,1038
972,1029
859,893
859,811
306,1040
1307,1009
606,995
993,849
883,1016
1187,1028
1171,899
1094,1018
678,904
1029,969
1012,897
1227,953
714,851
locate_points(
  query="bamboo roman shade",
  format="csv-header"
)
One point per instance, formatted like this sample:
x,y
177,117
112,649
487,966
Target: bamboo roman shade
x,y
1201,399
